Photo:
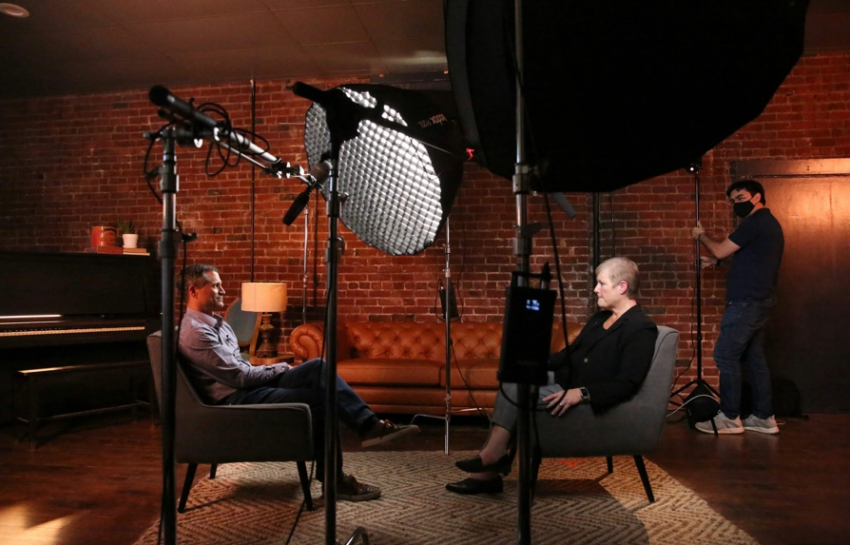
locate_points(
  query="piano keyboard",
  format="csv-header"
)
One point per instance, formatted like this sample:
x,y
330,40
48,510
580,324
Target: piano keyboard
x,y
25,333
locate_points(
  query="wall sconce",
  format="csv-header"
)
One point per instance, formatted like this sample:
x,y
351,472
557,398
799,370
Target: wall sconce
x,y
264,297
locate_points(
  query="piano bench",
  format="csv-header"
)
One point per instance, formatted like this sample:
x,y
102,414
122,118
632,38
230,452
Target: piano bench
x,y
55,390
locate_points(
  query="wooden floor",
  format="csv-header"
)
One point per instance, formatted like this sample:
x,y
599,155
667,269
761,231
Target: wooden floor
x,y
99,482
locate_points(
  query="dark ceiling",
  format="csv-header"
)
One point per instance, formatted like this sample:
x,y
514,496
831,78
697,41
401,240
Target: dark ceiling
x,y
93,46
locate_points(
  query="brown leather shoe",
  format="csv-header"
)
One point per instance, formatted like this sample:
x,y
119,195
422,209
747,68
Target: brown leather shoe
x,y
349,489
384,432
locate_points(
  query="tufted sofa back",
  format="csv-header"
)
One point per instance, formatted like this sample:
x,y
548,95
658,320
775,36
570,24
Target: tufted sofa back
x,y
412,340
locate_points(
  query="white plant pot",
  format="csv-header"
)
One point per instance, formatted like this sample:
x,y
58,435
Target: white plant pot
x,y
130,240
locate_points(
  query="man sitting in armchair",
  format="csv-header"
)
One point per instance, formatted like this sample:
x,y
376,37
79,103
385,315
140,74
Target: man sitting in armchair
x,y
222,377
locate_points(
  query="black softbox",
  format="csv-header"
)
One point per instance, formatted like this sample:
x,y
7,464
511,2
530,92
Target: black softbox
x,y
616,92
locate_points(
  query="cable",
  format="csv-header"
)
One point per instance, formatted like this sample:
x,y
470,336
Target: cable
x,y
690,399
468,389
694,346
222,144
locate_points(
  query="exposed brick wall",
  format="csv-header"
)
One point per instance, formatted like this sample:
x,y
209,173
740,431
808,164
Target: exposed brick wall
x,y
68,163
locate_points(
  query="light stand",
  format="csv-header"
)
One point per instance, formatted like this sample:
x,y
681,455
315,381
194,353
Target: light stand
x,y
449,308
701,385
304,272
367,137
527,393
342,118
447,315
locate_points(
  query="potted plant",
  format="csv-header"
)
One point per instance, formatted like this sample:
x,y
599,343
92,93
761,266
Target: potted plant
x,y
128,233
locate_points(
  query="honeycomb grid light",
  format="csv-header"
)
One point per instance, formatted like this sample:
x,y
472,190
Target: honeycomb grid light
x,y
397,190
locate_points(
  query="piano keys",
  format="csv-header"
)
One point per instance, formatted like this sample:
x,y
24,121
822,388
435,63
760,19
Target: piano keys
x,y
60,309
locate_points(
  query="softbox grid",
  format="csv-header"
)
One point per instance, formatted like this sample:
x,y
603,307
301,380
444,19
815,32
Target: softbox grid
x,y
391,191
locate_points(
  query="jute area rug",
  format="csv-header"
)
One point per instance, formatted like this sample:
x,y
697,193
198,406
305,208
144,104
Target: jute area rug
x,y
577,501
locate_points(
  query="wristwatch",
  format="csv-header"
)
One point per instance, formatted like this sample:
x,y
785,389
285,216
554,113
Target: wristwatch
x,y
585,395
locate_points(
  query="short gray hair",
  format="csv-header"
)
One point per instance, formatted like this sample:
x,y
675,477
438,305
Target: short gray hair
x,y
196,275
622,269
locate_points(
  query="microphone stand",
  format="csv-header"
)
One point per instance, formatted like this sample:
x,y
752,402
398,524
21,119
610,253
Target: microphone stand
x,y
190,125
167,251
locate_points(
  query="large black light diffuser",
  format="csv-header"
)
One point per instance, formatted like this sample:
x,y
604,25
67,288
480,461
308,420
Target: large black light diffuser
x,y
399,174
618,92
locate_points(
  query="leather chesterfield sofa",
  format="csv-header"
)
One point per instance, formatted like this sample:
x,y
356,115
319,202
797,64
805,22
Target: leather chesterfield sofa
x,y
400,367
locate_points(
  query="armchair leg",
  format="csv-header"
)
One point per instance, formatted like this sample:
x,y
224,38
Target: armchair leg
x,y
187,485
610,460
213,467
644,478
305,484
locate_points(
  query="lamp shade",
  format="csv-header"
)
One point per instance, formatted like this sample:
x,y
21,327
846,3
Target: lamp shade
x,y
263,296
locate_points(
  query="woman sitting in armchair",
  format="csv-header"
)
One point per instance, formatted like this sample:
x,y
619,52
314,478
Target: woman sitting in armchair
x,y
605,365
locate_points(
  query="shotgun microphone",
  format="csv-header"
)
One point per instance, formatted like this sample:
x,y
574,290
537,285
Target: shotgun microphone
x,y
318,176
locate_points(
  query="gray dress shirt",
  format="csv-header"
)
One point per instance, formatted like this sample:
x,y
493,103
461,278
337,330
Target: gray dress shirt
x,y
215,365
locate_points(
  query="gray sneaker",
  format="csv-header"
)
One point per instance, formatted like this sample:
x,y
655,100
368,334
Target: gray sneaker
x,y
761,425
724,425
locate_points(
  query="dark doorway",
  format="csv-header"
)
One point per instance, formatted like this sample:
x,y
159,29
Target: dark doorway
x,y
807,338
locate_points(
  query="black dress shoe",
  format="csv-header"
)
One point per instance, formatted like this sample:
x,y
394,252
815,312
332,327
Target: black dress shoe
x,y
475,465
476,486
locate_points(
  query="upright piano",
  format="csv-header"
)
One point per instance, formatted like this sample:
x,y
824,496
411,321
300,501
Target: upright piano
x,y
59,309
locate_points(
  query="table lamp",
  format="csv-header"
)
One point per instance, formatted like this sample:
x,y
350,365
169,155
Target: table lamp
x,y
264,297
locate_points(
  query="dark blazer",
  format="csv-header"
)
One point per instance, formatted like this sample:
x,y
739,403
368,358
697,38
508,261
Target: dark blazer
x,y
610,363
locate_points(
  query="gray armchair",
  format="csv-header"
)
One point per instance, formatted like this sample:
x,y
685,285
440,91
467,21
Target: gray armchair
x,y
632,428
217,434
246,325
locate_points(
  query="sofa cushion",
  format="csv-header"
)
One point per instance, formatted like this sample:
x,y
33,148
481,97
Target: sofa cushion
x,y
384,371
478,374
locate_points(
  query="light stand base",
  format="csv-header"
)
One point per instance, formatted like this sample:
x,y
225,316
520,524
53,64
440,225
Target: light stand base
x,y
701,403
361,534
447,419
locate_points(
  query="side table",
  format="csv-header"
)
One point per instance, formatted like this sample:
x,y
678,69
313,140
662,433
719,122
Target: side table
x,y
283,357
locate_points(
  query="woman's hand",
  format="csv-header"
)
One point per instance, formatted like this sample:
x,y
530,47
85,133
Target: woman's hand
x,y
560,402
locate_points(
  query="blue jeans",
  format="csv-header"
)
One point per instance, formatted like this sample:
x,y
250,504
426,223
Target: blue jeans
x,y
305,383
740,350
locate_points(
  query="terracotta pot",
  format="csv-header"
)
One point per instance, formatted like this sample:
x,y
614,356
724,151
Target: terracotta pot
x,y
103,235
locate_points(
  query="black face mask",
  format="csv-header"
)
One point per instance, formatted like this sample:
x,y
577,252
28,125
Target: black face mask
x,y
743,209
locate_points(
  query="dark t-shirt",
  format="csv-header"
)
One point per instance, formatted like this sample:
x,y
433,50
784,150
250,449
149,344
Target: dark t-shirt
x,y
755,269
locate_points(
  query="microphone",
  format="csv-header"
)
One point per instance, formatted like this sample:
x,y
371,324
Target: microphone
x,y
162,97
299,204
318,175
174,108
